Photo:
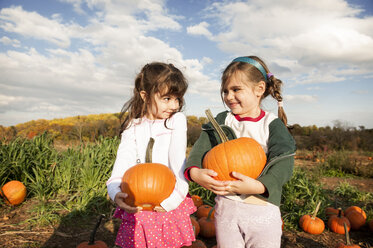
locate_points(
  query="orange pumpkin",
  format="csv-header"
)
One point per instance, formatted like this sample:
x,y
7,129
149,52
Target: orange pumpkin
x,y
282,225
336,223
348,242
243,155
92,243
312,224
329,211
357,219
197,200
14,192
203,211
355,208
195,224
148,184
207,225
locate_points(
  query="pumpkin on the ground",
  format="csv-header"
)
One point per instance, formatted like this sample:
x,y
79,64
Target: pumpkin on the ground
x,y
204,210
336,223
244,155
282,225
197,200
356,216
207,225
92,243
148,184
355,208
195,224
357,219
330,211
312,224
14,192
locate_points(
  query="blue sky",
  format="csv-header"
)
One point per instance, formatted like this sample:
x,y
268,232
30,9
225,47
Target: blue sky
x,y
62,58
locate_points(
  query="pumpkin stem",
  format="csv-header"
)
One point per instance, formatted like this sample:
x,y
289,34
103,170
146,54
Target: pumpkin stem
x,y
210,213
316,210
149,151
93,233
216,126
339,212
348,242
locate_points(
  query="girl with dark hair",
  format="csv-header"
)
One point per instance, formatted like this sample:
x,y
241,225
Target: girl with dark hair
x,y
154,112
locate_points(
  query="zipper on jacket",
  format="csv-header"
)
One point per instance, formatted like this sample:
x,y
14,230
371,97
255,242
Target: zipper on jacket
x,y
276,159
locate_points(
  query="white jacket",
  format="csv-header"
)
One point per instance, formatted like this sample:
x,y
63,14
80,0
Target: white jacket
x,y
169,149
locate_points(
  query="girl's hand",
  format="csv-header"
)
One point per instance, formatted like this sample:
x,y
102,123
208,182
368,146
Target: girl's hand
x,y
159,209
245,185
119,200
204,177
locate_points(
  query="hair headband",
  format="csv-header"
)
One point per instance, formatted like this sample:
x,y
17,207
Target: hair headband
x,y
254,63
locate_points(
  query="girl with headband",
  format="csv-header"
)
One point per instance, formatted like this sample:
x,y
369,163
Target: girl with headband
x,y
247,208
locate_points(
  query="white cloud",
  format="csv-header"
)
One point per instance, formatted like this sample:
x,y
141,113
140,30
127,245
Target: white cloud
x,y
206,60
311,35
8,100
7,41
200,29
32,24
314,88
316,78
333,44
97,77
300,99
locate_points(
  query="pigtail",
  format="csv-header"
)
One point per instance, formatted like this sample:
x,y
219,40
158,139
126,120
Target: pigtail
x,y
274,89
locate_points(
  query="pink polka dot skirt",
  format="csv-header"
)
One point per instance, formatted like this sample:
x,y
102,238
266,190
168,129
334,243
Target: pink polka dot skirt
x,y
156,230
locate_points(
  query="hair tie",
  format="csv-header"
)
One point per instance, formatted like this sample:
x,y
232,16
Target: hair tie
x,y
269,75
280,104
254,63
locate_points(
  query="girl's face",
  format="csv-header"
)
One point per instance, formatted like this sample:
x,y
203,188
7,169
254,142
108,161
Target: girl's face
x,y
243,98
164,106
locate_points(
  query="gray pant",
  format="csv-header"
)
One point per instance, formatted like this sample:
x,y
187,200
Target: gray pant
x,y
246,225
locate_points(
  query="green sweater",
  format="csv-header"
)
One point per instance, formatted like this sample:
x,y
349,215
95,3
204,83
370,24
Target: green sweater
x,y
280,155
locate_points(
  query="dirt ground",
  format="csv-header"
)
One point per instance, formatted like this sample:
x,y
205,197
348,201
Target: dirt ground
x,y
15,233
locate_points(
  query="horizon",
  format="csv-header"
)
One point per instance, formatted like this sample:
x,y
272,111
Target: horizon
x,y
67,58
336,123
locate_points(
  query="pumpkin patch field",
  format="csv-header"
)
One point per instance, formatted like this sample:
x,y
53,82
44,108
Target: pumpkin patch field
x,y
66,203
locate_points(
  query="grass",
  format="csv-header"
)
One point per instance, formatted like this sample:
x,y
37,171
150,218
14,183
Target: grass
x,y
66,181
340,163
207,195
353,196
300,196
351,163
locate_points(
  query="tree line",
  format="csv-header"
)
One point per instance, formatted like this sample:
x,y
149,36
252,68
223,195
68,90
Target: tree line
x,y
90,127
